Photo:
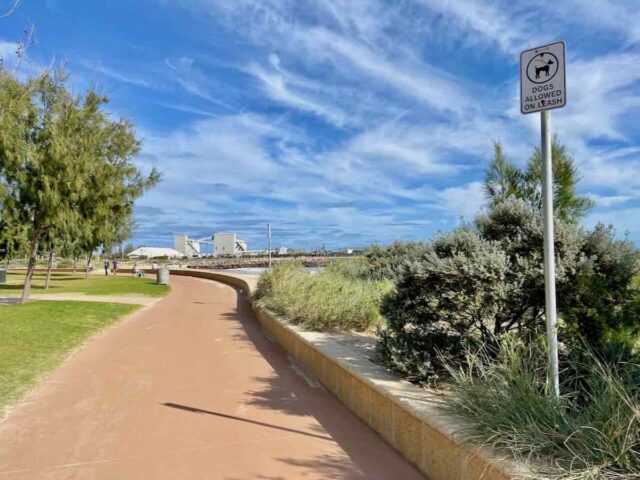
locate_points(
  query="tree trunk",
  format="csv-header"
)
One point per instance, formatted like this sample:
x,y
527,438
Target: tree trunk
x,y
26,290
49,268
75,263
86,270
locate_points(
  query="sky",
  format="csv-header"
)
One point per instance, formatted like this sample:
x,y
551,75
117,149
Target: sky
x,y
343,122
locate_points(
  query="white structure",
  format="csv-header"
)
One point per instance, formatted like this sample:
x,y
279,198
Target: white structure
x,y
283,250
186,246
228,244
155,252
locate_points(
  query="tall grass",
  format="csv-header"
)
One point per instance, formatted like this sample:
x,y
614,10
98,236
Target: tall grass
x,y
332,299
591,432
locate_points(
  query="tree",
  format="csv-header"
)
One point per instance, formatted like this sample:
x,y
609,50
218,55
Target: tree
x,y
114,184
65,165
504,180
128,249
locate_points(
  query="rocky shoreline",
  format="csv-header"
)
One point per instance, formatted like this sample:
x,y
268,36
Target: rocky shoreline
x,y
261,262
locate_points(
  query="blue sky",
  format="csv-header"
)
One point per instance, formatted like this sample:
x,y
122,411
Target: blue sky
x,y
343,122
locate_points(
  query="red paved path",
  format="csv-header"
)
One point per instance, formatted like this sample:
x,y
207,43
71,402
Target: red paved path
x,y
189,388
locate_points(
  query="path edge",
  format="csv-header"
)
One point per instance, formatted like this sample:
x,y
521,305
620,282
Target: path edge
x,y
404,415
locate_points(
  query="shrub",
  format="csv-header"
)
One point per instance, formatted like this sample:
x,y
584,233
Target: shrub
x,y
604,304
470,287
332,299
388,262
64,263
591,432
486,279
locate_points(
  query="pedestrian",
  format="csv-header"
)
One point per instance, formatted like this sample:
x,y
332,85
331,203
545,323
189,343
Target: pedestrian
x,y
106,267
135,270
115,266
154,266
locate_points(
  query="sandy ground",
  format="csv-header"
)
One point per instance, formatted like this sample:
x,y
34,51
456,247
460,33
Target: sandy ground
x,y
189,388
80,297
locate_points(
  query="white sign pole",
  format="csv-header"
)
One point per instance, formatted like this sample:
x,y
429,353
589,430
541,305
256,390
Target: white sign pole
x,y
549,255
542,88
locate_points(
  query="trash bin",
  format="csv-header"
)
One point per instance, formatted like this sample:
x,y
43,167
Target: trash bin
x,y
3,276
162,276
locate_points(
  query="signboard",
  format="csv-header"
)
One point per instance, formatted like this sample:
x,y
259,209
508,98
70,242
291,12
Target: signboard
x,y
543,83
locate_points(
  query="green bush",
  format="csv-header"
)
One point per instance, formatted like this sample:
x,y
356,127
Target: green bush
x,y
604,304
470,287
389,262
64,263
591,432
486,279
332,299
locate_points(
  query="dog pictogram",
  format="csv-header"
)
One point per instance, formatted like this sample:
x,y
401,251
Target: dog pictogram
x,y
542,67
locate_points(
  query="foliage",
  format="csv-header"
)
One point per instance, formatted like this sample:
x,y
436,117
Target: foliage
x,y
38,336
504,180
472,286
486,279
592,432
333,299
66,168
603,305
388,262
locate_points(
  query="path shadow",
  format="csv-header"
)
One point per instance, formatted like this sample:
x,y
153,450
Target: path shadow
x,y
246,420
9,300
290,393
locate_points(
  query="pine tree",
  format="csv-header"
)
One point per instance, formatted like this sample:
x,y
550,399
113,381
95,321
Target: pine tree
x,y
503,179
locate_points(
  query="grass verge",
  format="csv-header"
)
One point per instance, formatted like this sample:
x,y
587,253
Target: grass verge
x,y
92,285
333,299
38,336
591,432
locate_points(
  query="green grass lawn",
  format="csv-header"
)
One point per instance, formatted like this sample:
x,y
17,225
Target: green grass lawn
x,y
123,284
37,336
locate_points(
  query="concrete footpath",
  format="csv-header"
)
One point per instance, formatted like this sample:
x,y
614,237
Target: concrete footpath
x,y
189,388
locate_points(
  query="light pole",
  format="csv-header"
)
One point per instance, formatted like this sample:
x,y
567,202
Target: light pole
x,y
269,234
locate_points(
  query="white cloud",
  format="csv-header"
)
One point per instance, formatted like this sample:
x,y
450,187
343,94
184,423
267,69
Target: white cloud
x,y
186,74
8,50
126,77
463,201
609,200
296,92
621,16
481,20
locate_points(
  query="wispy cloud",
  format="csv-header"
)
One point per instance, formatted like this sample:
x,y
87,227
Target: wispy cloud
x,y
131,78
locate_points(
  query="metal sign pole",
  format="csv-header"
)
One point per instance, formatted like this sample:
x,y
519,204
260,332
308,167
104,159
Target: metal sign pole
x,y
269,232
549,256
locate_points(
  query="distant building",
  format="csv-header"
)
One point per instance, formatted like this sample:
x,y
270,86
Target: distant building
x,y
225,243
155,252
186,246
283,251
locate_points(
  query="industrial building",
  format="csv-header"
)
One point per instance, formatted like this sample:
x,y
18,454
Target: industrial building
x,y
224,244
186,246
228,244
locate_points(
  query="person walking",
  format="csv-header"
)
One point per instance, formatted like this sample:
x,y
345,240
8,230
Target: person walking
x,y
115,266
106,267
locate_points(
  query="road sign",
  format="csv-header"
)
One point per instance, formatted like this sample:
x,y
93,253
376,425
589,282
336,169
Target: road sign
x,y
542,78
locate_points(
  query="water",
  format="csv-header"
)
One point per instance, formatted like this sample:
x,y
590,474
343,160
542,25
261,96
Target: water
x,y
257,271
